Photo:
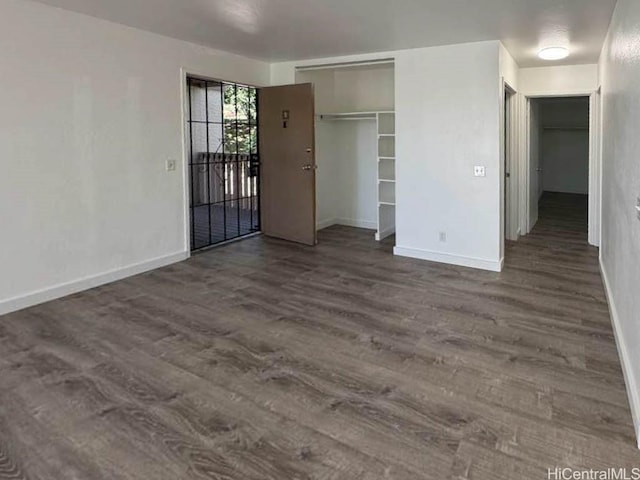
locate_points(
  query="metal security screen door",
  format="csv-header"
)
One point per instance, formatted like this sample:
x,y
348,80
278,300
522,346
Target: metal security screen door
x,y
222,130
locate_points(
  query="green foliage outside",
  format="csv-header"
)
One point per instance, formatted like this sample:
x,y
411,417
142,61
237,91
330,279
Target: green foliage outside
x,y
240,122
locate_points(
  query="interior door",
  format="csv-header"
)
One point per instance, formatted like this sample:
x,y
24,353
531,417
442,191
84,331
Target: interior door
x,y
288,173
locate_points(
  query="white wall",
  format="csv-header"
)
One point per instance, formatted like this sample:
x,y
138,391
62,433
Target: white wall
x,y
326,132
284,73
364,89
355,175
620,244
346,176
509,69
564,145
565,161
90,113
565,112
554,80
327,200
447,121
447,102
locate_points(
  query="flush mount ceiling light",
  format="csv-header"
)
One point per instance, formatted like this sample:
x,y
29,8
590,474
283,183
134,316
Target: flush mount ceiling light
x,y
553,53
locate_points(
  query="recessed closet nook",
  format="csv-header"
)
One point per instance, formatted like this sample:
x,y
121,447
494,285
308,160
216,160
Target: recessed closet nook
x,y
355,145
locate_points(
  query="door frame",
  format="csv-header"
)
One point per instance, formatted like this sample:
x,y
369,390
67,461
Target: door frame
x,y
595,159
186,187
509,151
185,73
512,230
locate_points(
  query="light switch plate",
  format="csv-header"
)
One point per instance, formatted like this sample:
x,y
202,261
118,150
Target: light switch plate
x,y
479,171
171,165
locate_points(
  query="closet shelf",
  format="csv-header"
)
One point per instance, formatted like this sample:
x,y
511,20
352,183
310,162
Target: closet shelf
x,y
386,134
389,204
386,180
351,115
386,158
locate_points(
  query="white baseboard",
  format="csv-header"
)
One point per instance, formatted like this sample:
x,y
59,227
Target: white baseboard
x,y
480,263
347,222
385,233
625,359
75,286
326,223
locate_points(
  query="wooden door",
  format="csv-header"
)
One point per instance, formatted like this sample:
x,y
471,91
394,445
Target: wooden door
x,y
288,167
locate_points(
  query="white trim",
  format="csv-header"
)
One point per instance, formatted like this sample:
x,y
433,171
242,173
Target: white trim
x,y
513,193
502,212
523,160
595,159
322,224
352,64
564,93
86,283
595,167
509,198
625,360
480,263
347,222
186,188
385,233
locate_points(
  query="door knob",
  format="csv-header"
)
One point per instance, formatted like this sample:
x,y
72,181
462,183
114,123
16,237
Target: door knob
x,y
538,169
309,167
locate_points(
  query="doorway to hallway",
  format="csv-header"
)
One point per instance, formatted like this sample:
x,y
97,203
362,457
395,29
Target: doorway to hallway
x,y
559,163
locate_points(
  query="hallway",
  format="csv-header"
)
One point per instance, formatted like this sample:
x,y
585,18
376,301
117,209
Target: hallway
x,y
563,216
269,360
562,227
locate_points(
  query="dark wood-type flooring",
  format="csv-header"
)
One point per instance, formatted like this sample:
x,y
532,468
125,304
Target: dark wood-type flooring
x,y
268,360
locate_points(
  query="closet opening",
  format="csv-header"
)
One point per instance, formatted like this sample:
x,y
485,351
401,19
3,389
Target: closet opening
x,y
224,164
355,146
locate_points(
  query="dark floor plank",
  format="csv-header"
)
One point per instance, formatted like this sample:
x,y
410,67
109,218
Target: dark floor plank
x,y
270,360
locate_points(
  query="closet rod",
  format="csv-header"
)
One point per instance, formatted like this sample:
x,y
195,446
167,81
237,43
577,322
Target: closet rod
x,y
353,119
325,116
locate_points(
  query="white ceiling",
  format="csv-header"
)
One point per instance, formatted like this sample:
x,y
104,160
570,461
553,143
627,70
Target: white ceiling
x,y
275,30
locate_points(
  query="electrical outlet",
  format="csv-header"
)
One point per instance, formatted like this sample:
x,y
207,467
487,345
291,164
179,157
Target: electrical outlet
x,y
171,165
443,237
479,171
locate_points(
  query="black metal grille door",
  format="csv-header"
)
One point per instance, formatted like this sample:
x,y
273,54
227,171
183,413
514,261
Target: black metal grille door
x,y
222,131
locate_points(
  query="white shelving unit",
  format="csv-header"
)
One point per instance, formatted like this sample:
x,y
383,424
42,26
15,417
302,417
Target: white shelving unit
x,y
386,164
386,124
